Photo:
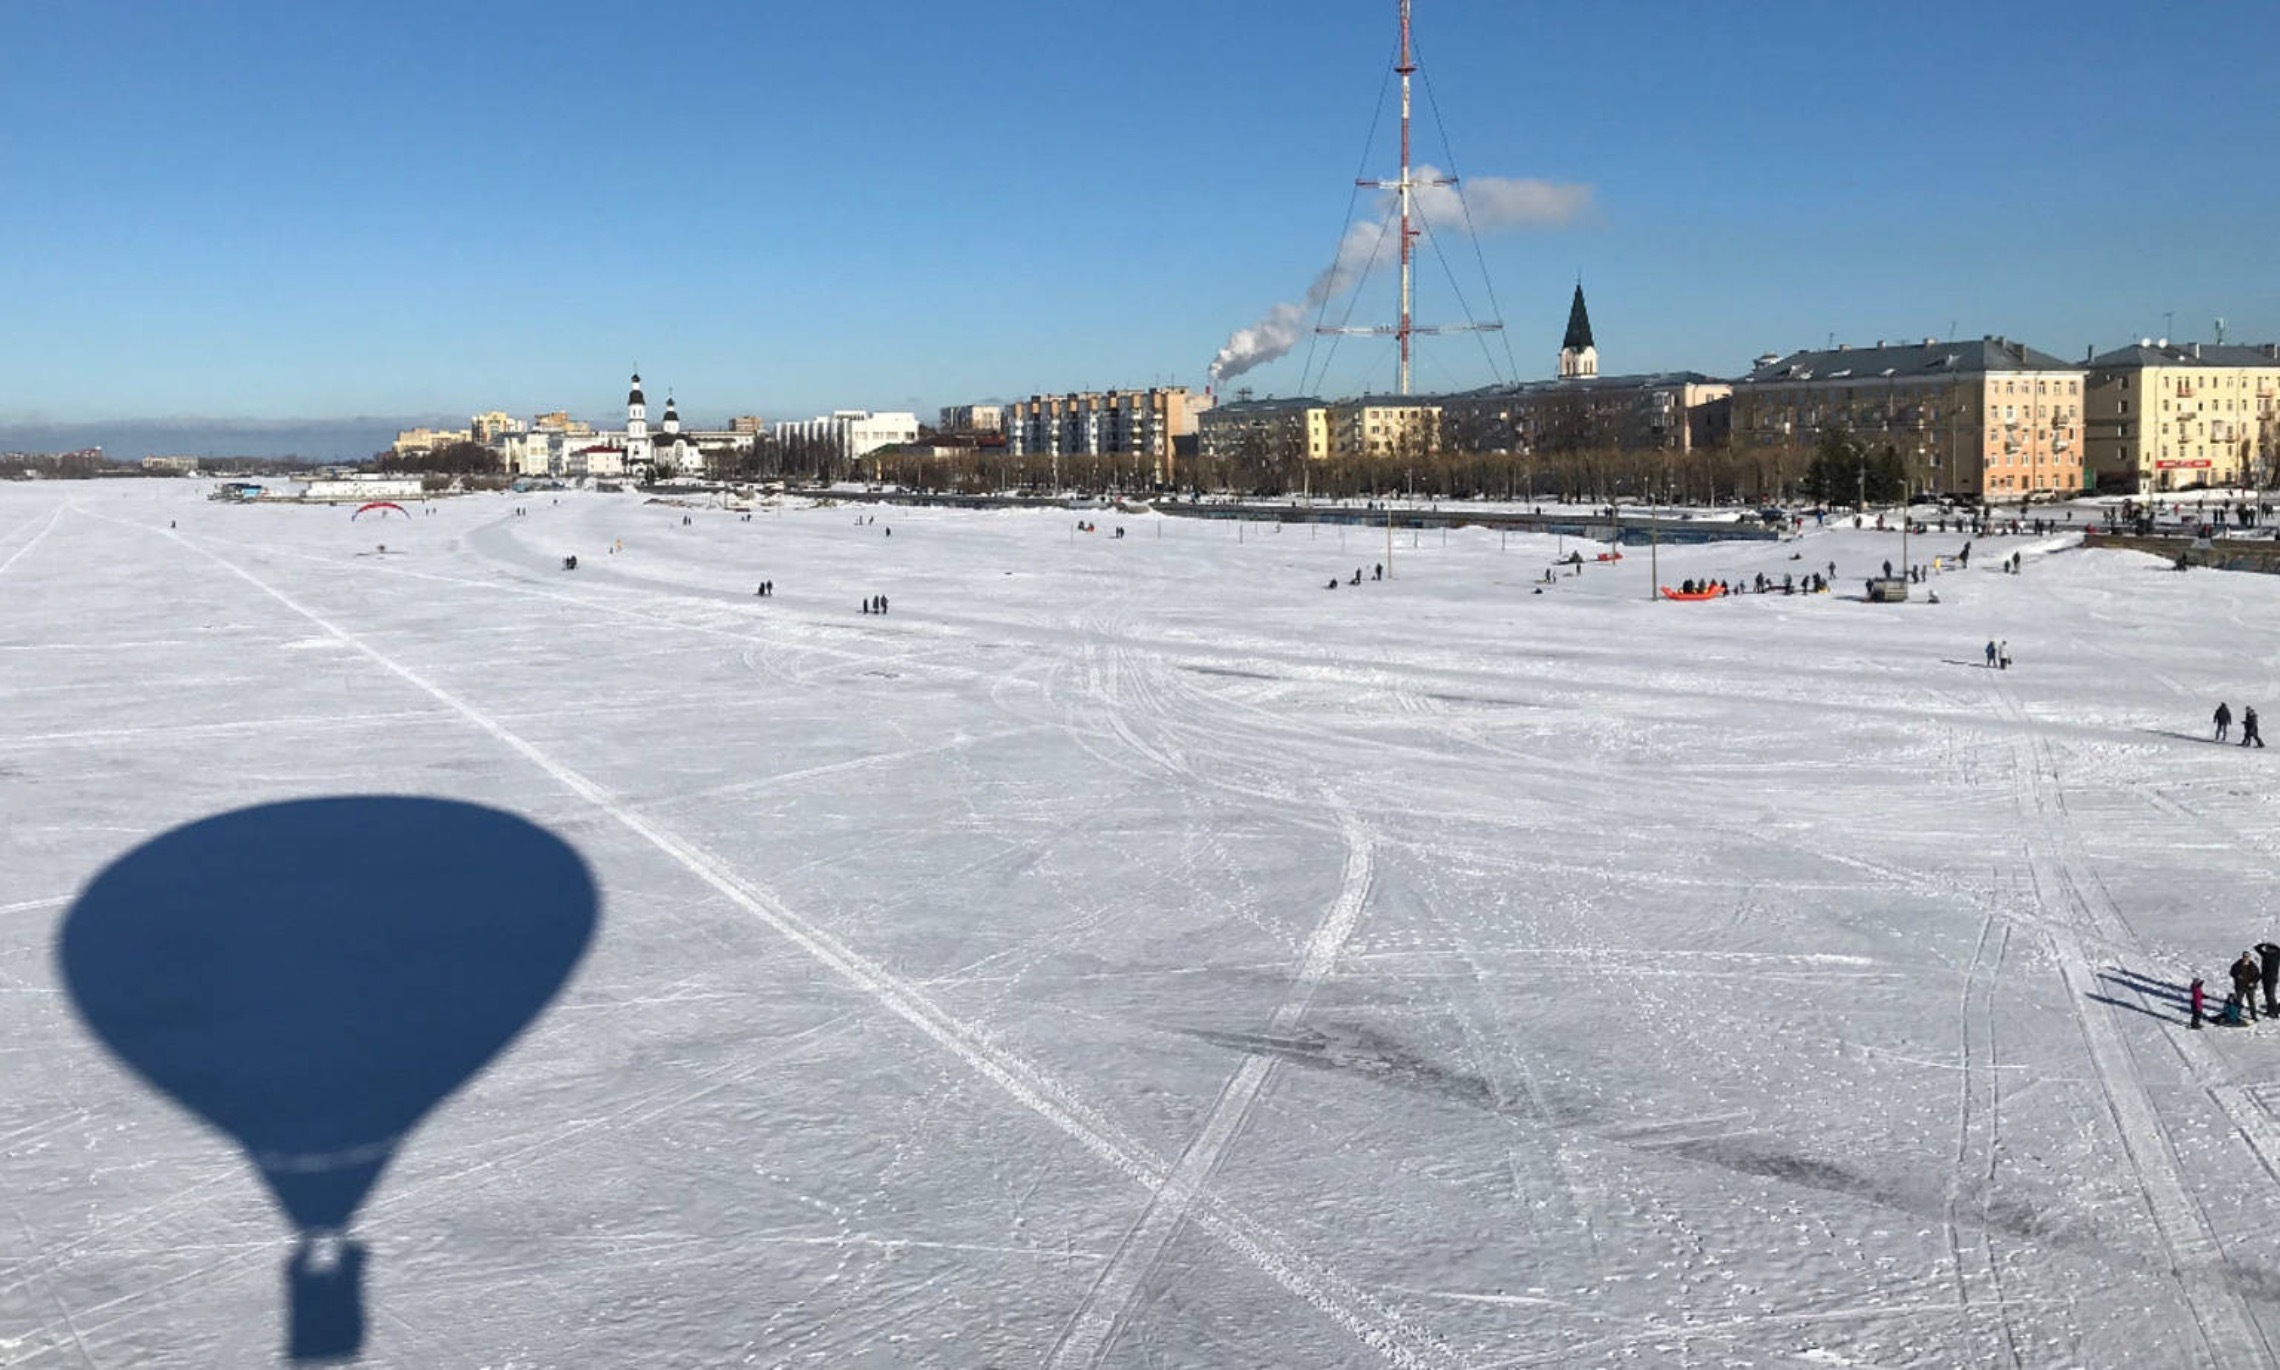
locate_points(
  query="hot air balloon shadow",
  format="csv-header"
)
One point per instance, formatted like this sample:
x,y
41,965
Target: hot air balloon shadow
x,y
311,978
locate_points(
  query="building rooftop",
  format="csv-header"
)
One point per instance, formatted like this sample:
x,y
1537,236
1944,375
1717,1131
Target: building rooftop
x,y
1235,409
2165,353
1649,380
1907,360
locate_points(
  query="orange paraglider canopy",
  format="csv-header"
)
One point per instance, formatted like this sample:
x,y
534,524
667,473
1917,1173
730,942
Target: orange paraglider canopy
x,y
380,504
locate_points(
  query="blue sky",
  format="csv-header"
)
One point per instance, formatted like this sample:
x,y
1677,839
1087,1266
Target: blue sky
x,y
298,210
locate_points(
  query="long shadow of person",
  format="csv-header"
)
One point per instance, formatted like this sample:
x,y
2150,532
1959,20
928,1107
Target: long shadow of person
x,y
311,978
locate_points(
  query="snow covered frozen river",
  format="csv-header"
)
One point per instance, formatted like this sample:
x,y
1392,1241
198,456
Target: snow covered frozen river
x,y
1127,952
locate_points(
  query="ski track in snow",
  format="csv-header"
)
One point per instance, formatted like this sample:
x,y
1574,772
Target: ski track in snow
x,y
1092,1329
37,538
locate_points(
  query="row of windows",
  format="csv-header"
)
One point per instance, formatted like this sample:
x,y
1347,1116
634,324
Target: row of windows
x,y
2219,380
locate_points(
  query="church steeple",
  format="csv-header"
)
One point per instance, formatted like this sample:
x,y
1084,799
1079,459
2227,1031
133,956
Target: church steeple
x,y
1579,359
637,444
672,417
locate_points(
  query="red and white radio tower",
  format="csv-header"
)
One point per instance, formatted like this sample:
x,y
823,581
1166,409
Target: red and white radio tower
x,y
1404,187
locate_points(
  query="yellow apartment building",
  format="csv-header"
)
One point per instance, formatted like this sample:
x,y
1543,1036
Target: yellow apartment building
x,y
1993,418
2164,416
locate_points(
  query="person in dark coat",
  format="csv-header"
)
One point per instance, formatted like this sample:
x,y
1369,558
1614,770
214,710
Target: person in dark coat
x,y
2269,956
2200,1000
2248,732
2245,974
2224,719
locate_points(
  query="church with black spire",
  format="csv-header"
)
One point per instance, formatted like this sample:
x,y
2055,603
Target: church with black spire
x,y
1579,360
1581,410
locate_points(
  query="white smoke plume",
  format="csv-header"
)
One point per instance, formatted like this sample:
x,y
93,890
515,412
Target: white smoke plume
x,y
1498,204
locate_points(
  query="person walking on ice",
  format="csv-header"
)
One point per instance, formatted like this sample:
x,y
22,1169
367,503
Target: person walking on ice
x,y
2248,732
2003,655
2200,1001
1990,654
2224,719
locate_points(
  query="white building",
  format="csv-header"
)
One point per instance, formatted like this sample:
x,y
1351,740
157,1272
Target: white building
x,y
351,488
538,452
854,431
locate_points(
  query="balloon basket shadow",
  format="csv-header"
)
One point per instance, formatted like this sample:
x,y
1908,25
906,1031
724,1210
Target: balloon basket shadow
x,y
324,1296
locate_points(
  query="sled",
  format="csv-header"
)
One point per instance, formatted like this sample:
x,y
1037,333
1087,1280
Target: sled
x,y
1690,596
1608,556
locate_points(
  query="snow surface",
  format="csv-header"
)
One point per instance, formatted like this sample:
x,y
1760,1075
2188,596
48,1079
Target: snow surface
x,y
1130,953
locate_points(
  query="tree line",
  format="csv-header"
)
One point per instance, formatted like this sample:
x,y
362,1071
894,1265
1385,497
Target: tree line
x,y
1838,469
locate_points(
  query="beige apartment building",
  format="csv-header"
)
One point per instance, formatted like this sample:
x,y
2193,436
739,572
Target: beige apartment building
x,y
973,418
1143,424
1269,430
2163,416
490,427
1377,426
1373,426
1993,418
410,440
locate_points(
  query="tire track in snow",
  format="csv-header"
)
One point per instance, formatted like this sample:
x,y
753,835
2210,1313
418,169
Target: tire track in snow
x,y
2059,871
1976,1134
1360,1314
1093,1328
37,538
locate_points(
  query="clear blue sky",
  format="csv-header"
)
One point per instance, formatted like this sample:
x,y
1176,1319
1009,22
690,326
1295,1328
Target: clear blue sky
x,y
309,209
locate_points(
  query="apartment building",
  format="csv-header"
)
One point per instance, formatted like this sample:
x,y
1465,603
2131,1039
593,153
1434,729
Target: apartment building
x,y
420,440
489,428
1377,426
2163,416
1144,424
1265,430
559,421
1671,411
973,418
1994,417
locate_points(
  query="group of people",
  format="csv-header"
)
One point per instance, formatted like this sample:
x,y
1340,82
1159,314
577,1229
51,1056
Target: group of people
x,y
1999,655
2259,965
2249,736
1378,574
1914,575
876,604
767,589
